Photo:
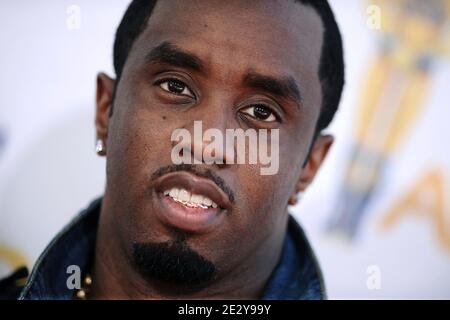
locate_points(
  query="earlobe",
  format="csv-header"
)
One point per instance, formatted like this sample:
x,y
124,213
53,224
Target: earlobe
x,y
104,100
293,199
316,157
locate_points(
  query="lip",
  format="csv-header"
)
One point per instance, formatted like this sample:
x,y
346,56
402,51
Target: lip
x,y
197,220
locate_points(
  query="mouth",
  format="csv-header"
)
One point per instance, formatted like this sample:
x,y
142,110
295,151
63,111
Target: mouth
x,y
191,203
190,200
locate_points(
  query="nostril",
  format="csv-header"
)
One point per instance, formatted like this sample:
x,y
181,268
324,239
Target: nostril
x,y
186,155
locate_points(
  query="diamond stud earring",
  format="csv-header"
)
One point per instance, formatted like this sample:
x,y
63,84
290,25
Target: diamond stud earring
x,y
100,147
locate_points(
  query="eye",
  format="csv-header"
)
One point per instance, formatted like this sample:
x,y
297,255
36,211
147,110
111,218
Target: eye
x,y
260,112
176,87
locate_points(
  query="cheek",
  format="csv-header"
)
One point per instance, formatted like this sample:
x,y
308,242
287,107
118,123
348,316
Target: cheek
x,y
262,199
140,144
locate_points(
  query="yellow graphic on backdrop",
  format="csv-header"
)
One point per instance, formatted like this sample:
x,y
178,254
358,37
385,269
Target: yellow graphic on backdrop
x,y
426,197
413,35
12,257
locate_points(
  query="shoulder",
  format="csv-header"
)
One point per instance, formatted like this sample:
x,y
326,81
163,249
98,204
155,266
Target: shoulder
x,y
12,285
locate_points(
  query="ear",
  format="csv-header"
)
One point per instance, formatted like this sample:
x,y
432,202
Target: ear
x,y
316,157
104,100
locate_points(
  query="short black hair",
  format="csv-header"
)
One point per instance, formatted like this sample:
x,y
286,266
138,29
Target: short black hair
x,y
331,70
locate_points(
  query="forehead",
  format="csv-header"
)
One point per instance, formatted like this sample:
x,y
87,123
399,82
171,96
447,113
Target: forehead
x,y
268,36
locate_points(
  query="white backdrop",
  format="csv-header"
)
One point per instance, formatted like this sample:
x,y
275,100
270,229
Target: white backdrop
x,y
49,171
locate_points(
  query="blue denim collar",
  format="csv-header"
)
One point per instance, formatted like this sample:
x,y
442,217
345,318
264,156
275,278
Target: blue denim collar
x,y
296,276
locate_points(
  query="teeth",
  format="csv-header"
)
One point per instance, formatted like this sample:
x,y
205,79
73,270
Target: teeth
x,y
174,192
191,200
184,195
207,201
196,198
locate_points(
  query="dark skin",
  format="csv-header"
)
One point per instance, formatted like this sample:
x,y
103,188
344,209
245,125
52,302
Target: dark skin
x,y
274,39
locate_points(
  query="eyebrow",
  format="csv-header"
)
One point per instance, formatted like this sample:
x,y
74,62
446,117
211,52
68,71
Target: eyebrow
x,y
285,87
168,53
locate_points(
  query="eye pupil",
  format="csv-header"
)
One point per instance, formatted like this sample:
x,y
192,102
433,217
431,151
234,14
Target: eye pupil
x,y
176,86
261,112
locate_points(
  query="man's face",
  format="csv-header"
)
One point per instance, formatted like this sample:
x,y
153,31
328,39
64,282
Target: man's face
x,y
229,64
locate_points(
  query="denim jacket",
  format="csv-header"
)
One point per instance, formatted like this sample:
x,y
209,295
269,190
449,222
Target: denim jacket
x,y
296,276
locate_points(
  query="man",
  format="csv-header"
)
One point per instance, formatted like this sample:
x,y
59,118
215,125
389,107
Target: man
x,y
165,230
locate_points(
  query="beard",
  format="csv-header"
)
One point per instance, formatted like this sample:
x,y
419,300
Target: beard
x,y
172,262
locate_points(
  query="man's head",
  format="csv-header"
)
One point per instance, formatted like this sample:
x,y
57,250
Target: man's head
x,y
331,58
270,64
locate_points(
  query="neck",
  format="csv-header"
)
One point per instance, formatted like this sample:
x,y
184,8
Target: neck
x,y
115,278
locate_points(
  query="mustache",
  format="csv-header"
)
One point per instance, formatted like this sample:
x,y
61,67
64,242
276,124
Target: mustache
x,y
201,172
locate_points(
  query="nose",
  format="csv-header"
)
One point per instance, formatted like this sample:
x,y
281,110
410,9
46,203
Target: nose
x,y
205,144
